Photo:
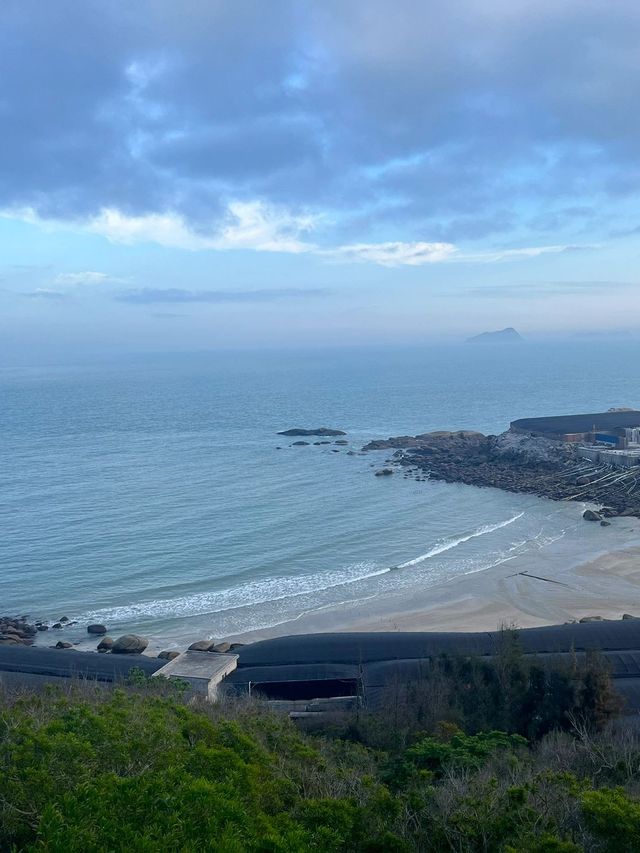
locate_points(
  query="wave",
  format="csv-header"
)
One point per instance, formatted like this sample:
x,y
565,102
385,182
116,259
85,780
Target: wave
x,y
453,543
245,595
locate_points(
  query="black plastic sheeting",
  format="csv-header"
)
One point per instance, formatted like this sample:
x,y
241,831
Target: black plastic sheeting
x,y
68,663
378,662
578,423
363,648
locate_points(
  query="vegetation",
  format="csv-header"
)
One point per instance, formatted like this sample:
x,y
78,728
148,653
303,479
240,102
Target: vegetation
x,y
137,769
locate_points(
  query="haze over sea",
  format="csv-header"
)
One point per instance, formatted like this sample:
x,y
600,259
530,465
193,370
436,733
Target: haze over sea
x,y
149,494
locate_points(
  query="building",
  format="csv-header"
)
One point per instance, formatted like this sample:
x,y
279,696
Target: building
x,y
611,430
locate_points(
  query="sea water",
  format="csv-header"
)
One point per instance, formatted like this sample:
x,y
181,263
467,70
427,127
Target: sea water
x,y
153,493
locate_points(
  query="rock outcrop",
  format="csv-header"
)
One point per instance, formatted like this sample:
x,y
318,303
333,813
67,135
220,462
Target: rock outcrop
x,y
515,462
16,631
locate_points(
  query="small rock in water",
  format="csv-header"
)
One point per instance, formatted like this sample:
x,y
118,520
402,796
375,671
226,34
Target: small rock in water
x,y
96,629
592,619
221,648
300,444
629,616
61,645
591,515
57,625
384,472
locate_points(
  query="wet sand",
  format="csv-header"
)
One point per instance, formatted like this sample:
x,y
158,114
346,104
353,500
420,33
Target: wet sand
x,y
608,586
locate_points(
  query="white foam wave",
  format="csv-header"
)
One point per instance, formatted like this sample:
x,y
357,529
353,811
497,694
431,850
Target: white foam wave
x,y
447,545
245,595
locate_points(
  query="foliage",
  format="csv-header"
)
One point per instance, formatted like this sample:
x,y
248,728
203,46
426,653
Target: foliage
x,y
143,769
461,751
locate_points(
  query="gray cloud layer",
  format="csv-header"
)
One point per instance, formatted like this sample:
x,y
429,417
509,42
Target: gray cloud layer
x,y
444,119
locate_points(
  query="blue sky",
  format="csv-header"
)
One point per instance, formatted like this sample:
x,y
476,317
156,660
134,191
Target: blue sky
x,y
200,174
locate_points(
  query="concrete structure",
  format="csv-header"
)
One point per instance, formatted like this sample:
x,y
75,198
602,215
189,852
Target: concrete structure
x,y
613,458
310,673
202,670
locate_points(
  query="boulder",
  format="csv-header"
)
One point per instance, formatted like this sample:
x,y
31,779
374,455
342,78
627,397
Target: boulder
x,y
234,646
592,619
202,646
604,523
57,625
106,644
129,644
629,616
61,645
384,472
96,629
169,654
221,648
63,619
591,515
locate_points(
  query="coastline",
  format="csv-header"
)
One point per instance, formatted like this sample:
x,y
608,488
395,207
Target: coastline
x,y
607,586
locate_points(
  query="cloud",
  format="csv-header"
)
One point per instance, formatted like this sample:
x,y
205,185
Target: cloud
x,y
255,226
252,225
44,293
516,254
159,117
394,254
87,277
153,296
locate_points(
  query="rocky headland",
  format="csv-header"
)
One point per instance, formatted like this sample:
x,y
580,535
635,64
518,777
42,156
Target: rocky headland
x,y
515,462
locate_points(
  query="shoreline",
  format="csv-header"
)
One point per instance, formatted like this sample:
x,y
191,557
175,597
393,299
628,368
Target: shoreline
x,y
511,593
607,586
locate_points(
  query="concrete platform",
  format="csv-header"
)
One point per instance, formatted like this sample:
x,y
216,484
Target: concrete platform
x,y
202,670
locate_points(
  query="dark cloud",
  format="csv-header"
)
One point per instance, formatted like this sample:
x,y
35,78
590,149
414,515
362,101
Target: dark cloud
x,y
429,117
152,296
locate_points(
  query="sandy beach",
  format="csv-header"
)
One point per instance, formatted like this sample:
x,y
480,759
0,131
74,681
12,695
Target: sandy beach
x,y
514,593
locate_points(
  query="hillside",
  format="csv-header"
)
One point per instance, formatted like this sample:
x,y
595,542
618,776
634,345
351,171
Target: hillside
x,y
140,769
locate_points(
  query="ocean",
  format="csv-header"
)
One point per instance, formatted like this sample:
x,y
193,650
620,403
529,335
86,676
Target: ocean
x,y
153,493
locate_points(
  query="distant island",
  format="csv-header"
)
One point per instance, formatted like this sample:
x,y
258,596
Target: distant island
x,y
506,336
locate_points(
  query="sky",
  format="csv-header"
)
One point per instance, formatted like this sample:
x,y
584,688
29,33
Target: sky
x,y
229,173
